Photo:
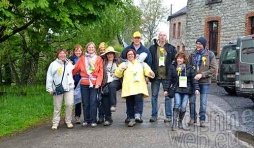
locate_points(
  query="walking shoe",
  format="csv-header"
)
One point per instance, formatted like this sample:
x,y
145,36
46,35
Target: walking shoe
x,y
167,120
192,122
153,119
100,121
202,124
77,120
112,108
69,125
85,124
106,123
127,120
93,125
138,120
131,123
54,127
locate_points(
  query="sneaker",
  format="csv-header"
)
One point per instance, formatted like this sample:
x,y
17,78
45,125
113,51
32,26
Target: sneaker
x,y
131,124
167,120
202,124
77,120
138,120
106,123
69,125
85,124
93,125
192,122
112,109
100,121
153,119
127,120
54,127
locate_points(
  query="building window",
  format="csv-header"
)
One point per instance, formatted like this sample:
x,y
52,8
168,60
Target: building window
x,y
213,36
178,48
208,2
179,30
174,30
183,48
252,25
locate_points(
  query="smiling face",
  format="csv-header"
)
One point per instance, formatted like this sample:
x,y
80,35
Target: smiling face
x,y
180,60
110,56
90,48
199,46
130,55
78,52
62,55
136,41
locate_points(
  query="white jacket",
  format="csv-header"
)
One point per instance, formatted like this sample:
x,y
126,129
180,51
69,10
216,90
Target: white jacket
x,y
55,73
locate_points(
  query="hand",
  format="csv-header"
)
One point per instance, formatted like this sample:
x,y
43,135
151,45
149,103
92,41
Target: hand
x,y
147,80
198,76
51,92
123,67
196,92
97,86
151,74
165,93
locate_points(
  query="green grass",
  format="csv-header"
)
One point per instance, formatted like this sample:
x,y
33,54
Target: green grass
x,y
22,107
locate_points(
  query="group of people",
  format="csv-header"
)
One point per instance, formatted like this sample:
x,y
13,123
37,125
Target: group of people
x,y
99,77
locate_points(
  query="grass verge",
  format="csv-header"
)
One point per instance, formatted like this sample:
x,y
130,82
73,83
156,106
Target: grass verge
x,y
22,107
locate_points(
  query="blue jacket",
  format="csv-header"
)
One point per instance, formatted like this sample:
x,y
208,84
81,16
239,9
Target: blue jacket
x,y
141,49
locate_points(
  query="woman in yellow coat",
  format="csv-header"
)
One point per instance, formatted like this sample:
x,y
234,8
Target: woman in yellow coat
x,y
134,87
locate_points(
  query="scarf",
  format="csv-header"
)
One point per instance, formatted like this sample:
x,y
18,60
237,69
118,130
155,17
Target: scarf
x,y
180,69
90,62
197,58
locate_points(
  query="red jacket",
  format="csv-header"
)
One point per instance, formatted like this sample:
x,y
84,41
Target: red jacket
x,y
97,73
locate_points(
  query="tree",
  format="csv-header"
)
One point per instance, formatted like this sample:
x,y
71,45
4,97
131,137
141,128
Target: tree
x,y
19,15
153,13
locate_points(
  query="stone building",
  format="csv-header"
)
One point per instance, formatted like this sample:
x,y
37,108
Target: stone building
x,y
177,29
220,21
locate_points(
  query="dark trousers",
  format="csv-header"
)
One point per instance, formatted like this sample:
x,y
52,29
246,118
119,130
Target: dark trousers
x,y
106,106
113,88
78,110
90,103
135,105
101,110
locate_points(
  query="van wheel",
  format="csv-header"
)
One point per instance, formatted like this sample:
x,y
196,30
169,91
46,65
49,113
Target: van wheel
x,y
230,90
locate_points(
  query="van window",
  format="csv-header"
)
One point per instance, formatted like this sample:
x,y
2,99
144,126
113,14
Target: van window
x,y
229,55
247,51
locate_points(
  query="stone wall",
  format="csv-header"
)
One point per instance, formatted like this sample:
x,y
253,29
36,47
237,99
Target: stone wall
x,y
231,13
178,41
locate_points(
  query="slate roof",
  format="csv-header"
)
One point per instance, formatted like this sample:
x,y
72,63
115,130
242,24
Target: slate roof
x,y
178,13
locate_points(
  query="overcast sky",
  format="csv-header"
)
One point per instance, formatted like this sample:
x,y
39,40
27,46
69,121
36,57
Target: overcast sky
x,y
176,5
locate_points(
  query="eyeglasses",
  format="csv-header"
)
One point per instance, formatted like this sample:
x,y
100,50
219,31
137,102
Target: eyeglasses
x,y
130,54
137,38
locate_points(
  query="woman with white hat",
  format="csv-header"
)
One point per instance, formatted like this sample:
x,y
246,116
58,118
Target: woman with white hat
x,y
111,84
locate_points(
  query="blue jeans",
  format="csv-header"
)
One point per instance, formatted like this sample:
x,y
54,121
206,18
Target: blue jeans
x,y
90,103
204,89
155,86
180,101
135,104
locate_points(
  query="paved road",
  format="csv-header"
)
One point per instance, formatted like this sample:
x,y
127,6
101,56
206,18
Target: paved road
x,y
241,109
118,135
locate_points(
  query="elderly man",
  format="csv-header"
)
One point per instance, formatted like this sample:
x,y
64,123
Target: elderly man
x,y
143,55
163,54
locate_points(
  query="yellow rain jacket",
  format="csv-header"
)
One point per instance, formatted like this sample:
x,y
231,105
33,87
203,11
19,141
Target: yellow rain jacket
x,y
134,78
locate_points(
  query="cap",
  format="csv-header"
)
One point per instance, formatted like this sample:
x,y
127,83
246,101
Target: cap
x,y
137,34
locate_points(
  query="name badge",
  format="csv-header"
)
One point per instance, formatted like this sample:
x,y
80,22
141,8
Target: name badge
x,y
135,77
161,61
110,77
182,81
